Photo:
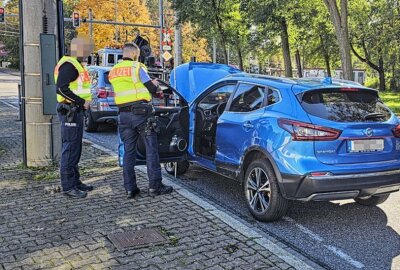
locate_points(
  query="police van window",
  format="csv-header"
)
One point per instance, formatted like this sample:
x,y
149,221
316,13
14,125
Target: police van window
x,y
119,57
248,97
111,59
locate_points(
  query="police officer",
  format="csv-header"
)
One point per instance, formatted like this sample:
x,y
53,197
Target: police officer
x,y
133,89
73,96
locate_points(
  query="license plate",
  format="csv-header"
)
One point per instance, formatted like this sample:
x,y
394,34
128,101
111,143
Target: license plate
x,y
373,145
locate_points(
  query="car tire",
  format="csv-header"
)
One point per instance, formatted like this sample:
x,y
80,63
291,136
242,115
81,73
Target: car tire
x,y
267,204
89,123
182,167
373,200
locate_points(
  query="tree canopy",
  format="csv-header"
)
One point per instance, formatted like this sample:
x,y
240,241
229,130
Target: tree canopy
x,y
278,37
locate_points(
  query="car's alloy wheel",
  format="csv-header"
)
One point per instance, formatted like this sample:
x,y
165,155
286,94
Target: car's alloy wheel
x,y
258,190
262,193
182,167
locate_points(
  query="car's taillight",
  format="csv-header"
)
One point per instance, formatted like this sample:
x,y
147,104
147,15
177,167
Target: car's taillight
x,y
396,131
307,132
102,93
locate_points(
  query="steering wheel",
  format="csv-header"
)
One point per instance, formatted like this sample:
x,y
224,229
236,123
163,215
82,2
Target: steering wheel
x,y
220,109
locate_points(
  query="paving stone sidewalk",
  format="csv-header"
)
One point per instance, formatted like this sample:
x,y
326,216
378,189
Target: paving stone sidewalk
x,y
40,229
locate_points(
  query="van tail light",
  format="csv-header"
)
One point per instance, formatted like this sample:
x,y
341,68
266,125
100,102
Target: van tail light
x,y
307,132
396,131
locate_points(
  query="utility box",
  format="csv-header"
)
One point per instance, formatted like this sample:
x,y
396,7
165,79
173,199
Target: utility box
x,y
48,58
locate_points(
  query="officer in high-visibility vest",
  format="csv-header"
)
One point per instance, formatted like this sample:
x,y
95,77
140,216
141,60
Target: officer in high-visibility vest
x,y
73,96
133,89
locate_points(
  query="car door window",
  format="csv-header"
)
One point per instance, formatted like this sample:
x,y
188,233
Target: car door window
x,y
247,98
273,96
217,98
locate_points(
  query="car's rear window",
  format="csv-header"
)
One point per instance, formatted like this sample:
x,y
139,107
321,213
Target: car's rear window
x,y
345,105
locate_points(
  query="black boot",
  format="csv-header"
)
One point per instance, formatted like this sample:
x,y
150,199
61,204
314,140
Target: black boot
x,y
75,193
84,187
162,189
132,194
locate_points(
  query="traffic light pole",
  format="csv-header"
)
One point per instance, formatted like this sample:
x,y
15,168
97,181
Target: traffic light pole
x,y
161,8
60,25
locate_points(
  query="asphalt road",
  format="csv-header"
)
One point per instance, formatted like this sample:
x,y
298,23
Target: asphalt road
x,y
336,235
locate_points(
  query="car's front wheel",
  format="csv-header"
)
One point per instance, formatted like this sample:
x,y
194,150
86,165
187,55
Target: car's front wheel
x,y
181,167
90,124
373,200
262,193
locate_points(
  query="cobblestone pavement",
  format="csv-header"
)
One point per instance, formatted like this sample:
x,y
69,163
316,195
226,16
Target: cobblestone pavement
x,y
40,229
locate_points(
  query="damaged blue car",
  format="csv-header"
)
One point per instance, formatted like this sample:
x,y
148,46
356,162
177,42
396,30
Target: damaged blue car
x,y
282,139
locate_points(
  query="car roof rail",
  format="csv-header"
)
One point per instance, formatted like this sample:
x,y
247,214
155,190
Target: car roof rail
x,y
324,80
263,77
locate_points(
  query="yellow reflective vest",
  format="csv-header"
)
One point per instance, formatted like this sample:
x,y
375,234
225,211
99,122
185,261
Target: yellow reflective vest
x,y
126,83
81,86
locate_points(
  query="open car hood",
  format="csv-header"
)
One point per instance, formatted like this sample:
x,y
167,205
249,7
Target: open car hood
x,y
192,79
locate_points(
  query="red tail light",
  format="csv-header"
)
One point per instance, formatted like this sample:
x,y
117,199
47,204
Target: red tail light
x,y
105,92
396,131
307,132
102,93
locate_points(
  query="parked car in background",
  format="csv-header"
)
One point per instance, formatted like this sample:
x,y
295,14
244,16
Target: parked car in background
x,y
283,139
102,108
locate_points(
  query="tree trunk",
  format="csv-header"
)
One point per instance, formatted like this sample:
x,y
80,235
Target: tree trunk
x,y
325,54
221,31
394,86
298,64
285,48
240,57
379,68
340,23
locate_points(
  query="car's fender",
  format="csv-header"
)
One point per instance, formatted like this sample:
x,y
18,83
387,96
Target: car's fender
x,y
257,151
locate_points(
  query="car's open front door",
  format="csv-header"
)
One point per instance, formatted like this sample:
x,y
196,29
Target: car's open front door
x,y
172,117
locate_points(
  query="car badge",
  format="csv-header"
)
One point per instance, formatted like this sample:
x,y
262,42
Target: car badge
x,y
369,132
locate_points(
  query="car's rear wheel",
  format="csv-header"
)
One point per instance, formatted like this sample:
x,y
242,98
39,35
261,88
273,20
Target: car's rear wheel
x,y
90,124
182,167
373,200
262,193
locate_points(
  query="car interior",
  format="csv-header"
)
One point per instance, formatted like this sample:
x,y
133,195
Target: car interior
x,y
208,110
248,97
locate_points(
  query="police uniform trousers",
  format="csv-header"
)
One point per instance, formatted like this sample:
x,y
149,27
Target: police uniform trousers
x,y
132,126
71,137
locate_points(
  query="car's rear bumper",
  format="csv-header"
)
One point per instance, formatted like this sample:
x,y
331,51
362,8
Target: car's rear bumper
x,y
110,117
343,186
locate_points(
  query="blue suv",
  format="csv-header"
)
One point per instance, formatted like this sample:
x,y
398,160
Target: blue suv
x,y
283,139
